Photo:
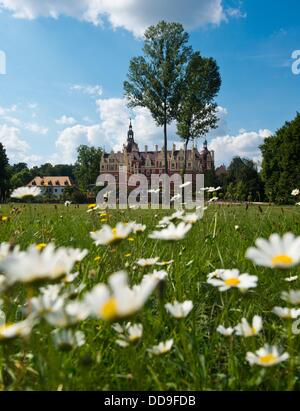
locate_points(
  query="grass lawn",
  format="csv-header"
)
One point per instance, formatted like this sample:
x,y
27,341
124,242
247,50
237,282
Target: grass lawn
x,y
201,358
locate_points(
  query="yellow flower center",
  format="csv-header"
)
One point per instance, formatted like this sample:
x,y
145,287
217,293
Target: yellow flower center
x,y
267,359
282,259
232,282
109,309
41,246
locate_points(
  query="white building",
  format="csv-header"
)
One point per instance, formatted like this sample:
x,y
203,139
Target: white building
x,y
52,185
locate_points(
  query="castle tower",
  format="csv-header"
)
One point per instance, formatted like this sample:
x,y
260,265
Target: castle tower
x,y
131,144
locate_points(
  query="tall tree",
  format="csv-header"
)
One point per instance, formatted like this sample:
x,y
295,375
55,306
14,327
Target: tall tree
x,y
4,174
155,79
87,166
243,181
280,166
196,113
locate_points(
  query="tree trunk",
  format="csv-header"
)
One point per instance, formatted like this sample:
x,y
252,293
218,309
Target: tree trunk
x,y
166,145
185,156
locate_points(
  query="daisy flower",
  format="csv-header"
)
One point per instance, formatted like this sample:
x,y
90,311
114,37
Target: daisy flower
x,y
179,310
286,313
20,329
67,339
188,183
291,279
107,235
292,296
162,347
245,329
266,356
276,252
191,218
172,232
118,300
175,197
34,265
147,262
26,192
233,279
138,228
227,332
213,199
128,334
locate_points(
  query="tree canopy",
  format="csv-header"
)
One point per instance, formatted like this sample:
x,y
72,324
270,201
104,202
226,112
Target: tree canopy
x,y
155,79
281,166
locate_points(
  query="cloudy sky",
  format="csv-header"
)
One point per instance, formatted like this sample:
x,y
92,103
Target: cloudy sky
x,y
66,62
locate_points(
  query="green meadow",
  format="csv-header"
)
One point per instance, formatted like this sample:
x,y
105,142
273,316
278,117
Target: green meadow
x,y
200,358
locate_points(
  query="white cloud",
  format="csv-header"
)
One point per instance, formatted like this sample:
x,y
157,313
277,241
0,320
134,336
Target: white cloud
x,y
133,15
72,137
246,144
95,90
35,128
65,121
16,147
111,131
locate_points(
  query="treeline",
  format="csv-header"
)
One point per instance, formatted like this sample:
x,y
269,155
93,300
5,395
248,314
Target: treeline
x,y
83,173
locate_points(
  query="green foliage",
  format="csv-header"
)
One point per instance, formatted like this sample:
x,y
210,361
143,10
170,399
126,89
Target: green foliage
x,y
243,182
196,113
281,166
4,174
87,167
155,79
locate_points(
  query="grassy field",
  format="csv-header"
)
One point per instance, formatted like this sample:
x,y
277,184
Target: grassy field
x,y
201,358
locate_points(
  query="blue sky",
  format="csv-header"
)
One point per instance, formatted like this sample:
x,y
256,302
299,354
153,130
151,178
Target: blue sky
x,y
66,63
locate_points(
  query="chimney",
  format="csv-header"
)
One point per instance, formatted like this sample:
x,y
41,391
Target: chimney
x,y
146,149
174,147
156,147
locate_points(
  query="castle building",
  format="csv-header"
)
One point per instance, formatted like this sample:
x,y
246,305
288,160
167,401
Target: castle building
x,y
149,162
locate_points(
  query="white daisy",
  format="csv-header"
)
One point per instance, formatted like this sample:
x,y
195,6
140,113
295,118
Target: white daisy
x,y
188,183
172,232
292,296
23,192
118,300
191,218
286,313
147,262
34,265
266,356
213,199
244,329
291,279
233,279
162,347
67,339
20,329
108,235
137,228
179,310
130,333
175,197
227,332
277,252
